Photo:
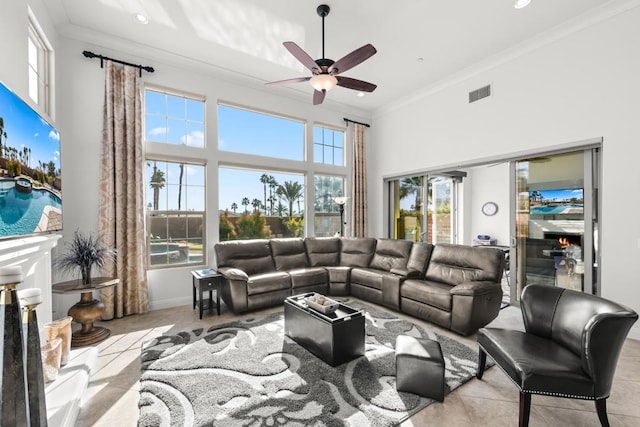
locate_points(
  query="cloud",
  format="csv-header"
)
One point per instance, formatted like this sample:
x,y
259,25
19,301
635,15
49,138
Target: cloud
x,y
194,139
158,131
53,134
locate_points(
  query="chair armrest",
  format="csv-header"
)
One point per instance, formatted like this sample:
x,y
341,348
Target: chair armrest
x,y
233,273
405,272
475,288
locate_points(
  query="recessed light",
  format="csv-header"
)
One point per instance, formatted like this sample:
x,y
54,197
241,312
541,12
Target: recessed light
x,y
420,59
141,19
360,94
521,3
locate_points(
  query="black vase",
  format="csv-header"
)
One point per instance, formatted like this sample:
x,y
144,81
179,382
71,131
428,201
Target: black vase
x,y
14,410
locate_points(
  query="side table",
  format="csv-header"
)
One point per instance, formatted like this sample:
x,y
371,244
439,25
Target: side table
x,y
206,280
87,310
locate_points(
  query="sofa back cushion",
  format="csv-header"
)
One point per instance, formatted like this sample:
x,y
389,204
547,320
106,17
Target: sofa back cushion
x,y
323,251
419,257
455,264
250,256
357,251
391,253
289,254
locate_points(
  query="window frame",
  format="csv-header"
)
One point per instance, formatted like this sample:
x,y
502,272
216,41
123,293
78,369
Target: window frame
x,y
43,68
176,154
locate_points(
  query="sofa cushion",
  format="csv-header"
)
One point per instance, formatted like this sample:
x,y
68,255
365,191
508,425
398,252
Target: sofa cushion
x,y
455,264
419,258
435,294
339,274
367,276
323,251
250,256
288,254
303,277
268,282
391,253
357,251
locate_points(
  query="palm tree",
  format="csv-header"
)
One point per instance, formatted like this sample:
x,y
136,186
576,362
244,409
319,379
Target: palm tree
x,y
3,133
245,202
291,191
264,179
410,186
273,184
234,207
180,184
257,204
157,182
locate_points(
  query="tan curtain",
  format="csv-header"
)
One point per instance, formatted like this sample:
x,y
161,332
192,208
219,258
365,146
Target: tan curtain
x,y
359,184
121,193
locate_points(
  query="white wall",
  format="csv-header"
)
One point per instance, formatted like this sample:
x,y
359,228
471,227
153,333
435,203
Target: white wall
x,y
579,86
487,184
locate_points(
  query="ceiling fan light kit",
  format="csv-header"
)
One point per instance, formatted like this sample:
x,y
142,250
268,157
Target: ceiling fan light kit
x,y
325,71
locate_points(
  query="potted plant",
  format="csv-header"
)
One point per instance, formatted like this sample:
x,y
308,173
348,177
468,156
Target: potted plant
x,y
84,253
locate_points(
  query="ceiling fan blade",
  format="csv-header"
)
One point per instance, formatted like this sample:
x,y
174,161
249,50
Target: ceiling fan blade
x,y
352,59
301,55
318,96
288,81
355,84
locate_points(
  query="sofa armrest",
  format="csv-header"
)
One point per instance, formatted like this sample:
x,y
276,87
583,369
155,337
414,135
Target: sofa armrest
x,y
475,288
233,273
405,272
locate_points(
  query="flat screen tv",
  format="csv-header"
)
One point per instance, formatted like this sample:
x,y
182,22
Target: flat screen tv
x,y
30,180
556,202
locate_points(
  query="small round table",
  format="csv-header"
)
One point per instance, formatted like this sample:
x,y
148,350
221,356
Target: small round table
x,y
87,310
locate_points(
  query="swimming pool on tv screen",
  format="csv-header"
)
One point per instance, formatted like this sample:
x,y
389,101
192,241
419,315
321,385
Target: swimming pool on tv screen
x,y
20,213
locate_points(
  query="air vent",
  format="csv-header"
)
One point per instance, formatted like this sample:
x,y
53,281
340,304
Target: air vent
x,y
478,94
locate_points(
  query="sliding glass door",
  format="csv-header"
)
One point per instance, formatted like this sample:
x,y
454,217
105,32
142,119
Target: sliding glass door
x,y
556,222
433,221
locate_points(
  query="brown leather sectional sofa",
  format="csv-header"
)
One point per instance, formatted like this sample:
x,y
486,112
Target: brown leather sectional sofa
x,y
454,286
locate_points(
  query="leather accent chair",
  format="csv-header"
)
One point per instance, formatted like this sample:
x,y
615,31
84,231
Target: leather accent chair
x,y
569,348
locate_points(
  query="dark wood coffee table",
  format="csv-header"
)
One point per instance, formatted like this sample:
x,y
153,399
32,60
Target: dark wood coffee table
x,y
334,338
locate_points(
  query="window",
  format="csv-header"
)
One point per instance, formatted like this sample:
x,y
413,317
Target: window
x,y
174,119
39,52
260,204
175,213
251,132
327,212
328,146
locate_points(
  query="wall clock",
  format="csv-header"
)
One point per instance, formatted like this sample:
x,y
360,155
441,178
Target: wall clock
x,y
490,208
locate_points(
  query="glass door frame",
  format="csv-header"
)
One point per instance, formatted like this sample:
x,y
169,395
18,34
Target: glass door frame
x,y
592,210
391,195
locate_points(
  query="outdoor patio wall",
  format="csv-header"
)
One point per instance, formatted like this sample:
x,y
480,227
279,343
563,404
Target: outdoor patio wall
x,y
578,83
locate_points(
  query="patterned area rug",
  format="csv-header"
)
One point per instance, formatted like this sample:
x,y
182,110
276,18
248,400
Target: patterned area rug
x,y
247,373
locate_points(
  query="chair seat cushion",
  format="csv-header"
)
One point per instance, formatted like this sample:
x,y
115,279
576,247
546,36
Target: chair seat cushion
x,y
431,293
268,282
536,364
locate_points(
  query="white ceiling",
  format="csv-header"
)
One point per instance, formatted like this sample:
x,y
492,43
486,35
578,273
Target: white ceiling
x,y
419,42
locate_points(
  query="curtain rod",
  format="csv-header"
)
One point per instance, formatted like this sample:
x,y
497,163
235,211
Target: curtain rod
x,y
353,121
103,58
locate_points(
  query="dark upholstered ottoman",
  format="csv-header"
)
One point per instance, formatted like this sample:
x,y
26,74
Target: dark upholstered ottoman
x,y
419,367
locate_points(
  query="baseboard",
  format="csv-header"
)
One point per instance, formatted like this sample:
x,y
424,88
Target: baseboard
x,y
170,302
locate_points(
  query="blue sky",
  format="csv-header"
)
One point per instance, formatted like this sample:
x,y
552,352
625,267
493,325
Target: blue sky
x,y
24,127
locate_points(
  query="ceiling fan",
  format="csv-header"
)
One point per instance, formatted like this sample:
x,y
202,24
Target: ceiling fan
x,y
325,72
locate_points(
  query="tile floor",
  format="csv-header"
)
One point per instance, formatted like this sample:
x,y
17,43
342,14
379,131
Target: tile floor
x,y
112,397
